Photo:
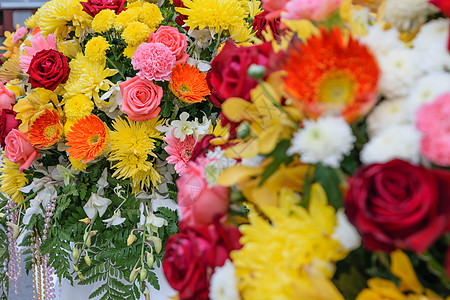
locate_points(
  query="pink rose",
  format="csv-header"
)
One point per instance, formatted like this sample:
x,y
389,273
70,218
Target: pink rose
x,y
19,150
173,39
274,7
7,98
198,201
141,99
315,10
154,61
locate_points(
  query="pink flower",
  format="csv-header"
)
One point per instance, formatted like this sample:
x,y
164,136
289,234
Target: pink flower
x,y
38,43
19,34
198,202
179,151
154,61
173,39
7,97
19,150
315,10
141,99
432,120
274,7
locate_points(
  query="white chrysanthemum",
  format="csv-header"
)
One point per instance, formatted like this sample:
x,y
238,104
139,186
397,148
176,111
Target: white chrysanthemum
x,y
345,232
324,141
426,90
407,14
431,44
381,41
399,72
223,284
398,141
387,113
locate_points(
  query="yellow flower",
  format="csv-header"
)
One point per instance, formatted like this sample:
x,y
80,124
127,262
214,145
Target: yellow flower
x,y
130,148
88,77
11,180
291,254
217,14
136,33
69,123
241,34
129,51
69,48
62,17
78,165
104,20
150,14
29,108
126,17
96,48
78,106
14,86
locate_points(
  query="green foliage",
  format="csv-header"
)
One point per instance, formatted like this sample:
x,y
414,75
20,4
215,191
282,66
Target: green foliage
x,y
330,180
279,157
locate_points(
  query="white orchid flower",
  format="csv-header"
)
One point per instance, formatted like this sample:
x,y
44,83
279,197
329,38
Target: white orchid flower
x,y
102,182
115,220
96,204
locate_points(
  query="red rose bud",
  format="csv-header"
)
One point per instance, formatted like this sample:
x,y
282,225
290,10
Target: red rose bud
x,y
193,253
93,7
399,205
180,18
228,76
261,23
8,122
48,68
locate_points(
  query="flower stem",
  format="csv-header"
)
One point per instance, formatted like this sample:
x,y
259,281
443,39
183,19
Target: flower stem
x,y
118,70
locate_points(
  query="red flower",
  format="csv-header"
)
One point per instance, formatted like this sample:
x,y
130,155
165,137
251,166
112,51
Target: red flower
x,y
261,23
444,6
8,122
180,18
93,7
228,76
48,69
399,205
192,254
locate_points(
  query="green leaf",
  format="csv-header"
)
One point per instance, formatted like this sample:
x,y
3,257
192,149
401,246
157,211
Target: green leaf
x,y
351,283
279,157
330,181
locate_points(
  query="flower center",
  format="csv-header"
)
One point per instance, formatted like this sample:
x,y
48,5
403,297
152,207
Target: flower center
x,y
337,88
50,131
93,139
184,88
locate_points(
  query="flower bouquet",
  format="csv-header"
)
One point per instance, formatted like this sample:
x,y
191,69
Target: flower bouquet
x,y
303,145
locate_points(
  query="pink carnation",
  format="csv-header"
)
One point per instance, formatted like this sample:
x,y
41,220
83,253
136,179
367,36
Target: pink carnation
x,y
173,39
315,10
38,43
179,151
434,123
19,34
154,61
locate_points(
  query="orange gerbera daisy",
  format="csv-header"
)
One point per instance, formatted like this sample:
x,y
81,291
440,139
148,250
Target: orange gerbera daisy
x,y
88,138
188,83
46,130
329,74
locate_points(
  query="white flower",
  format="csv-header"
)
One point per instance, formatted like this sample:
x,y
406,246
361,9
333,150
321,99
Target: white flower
x,y
202,65
398,141
116,219
113,109
96,204
43,197
426,90
431,44
253,162
64,174
324,141
223,284
407,14
34,209
214,168
148,219
202,37
201,129
345,232
182,127
380,41
102,182
389,112
399,72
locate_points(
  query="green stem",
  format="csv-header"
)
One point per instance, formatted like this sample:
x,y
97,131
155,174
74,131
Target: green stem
x,y
85,240
115,67
218,41
143,248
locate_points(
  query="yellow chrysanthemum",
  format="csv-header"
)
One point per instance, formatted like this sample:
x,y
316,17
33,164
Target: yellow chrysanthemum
x,y
241,34
78,165
104,20
150,14
62,17
69,48
78,106
301,252
29,108
126,17
129,50
88,77
130,148
136,33
96,48
216,14
11,180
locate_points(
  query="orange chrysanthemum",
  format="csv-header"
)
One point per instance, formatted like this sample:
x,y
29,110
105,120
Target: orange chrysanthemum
x,y
46,130
329,74
189,84
88,138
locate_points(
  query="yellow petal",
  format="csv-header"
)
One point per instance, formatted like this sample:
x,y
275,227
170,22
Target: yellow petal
x,y
237,109
402,268
236,174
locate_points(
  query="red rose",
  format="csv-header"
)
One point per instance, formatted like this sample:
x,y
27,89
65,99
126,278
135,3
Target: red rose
x,y
180,18
48,68
8,122
228,76
261,23
192,254
93,7
399,205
